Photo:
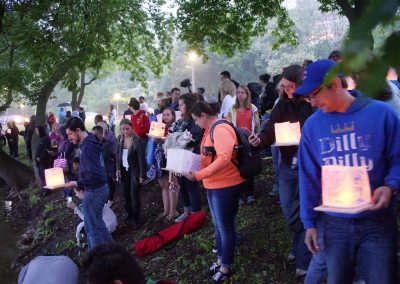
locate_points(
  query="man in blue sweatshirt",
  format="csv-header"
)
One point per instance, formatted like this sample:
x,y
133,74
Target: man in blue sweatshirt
x,y
92,176
349,131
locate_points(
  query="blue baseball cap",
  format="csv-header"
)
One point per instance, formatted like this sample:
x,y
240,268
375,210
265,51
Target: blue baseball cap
x,y
314,76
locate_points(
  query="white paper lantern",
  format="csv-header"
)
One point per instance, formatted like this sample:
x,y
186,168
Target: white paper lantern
x,y
345,189
182,161
287,133
157,129
54,178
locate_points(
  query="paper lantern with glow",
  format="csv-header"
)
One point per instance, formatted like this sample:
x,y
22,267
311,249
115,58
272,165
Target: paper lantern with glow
x,y
54,178
345,189
182,161
287,133
157,129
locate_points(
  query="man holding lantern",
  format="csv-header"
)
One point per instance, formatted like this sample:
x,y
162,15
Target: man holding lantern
x,y
349,131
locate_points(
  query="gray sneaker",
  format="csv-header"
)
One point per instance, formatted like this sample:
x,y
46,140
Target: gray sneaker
x,y
300,273
250,199
181,218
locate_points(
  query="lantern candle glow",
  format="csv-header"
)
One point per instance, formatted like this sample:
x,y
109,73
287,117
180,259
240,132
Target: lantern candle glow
x,y
54,178
287,133
345,189
157,129
182,161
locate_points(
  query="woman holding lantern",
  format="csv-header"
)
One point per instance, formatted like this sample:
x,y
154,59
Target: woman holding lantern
x,y
289,109
169,196
245,115
223,183
131,168
189,190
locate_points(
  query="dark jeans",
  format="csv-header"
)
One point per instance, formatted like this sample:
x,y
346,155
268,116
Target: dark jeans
x,y
289,198
366,246
111,187
131,186
93,203
224,205
248,188
13,146
190,194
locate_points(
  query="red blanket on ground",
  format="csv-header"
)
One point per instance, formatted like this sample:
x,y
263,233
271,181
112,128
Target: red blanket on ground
x,y
170,234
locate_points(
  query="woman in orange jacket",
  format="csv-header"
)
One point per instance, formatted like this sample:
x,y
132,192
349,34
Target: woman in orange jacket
x,y
223,182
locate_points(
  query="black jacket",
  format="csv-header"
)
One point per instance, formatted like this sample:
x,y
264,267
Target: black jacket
x,y
294,110
136,156
42,153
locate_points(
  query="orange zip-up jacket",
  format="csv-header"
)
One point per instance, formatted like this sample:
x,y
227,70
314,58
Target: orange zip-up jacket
x,y
220,173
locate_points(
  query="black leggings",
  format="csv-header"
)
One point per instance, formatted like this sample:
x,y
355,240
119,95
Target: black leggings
x,y
131,186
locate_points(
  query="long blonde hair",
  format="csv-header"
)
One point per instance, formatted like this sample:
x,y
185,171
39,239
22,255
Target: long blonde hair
x,y
227,87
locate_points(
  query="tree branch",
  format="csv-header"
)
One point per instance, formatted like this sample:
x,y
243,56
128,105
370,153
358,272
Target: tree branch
x,y
348,11
2,13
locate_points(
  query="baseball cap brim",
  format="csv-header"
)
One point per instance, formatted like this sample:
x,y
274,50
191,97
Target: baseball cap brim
x,y
306,89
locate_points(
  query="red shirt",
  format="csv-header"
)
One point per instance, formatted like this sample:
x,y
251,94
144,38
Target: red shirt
x,y
244,118
141,123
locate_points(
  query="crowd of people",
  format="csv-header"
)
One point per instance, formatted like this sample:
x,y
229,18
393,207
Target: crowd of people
x,y
339,126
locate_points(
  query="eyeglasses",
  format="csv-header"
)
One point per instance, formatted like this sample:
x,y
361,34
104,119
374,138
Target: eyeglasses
x,y
312,95
288,87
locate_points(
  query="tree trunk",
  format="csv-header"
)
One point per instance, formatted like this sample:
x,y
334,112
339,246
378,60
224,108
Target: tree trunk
x,y
16,175
83,85
9,97
74,101
44,96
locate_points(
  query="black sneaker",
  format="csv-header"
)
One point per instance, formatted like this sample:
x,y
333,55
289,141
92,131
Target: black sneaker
x,y
221,277
214,268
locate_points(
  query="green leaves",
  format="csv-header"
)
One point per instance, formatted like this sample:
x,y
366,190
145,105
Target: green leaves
x,y
226,27
357,55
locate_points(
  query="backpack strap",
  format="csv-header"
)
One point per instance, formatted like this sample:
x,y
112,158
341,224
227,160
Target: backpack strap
x,y
218,122
221,121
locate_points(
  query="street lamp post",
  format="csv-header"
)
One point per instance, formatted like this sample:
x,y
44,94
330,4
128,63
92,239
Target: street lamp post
x,y
22,106
192,58
117,97
193,82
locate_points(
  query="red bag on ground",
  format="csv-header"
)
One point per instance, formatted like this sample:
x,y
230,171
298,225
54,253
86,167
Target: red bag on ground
x,y
170,234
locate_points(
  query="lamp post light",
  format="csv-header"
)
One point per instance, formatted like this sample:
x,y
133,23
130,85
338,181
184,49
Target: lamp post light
x,y
193,57
117,97
22,106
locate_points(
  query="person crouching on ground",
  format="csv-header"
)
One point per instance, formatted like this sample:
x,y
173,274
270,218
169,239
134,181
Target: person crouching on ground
x,y
108,215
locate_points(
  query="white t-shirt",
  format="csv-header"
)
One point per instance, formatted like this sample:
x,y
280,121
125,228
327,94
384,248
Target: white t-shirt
x,y
113,116
144,106
227,105
125,163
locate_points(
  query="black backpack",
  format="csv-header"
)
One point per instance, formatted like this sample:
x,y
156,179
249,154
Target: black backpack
x,y
249,160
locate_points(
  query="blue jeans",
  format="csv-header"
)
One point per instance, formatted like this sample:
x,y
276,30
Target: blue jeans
x,y
289,198
276,159
317,273
365,245
224,205
190,193
93,203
